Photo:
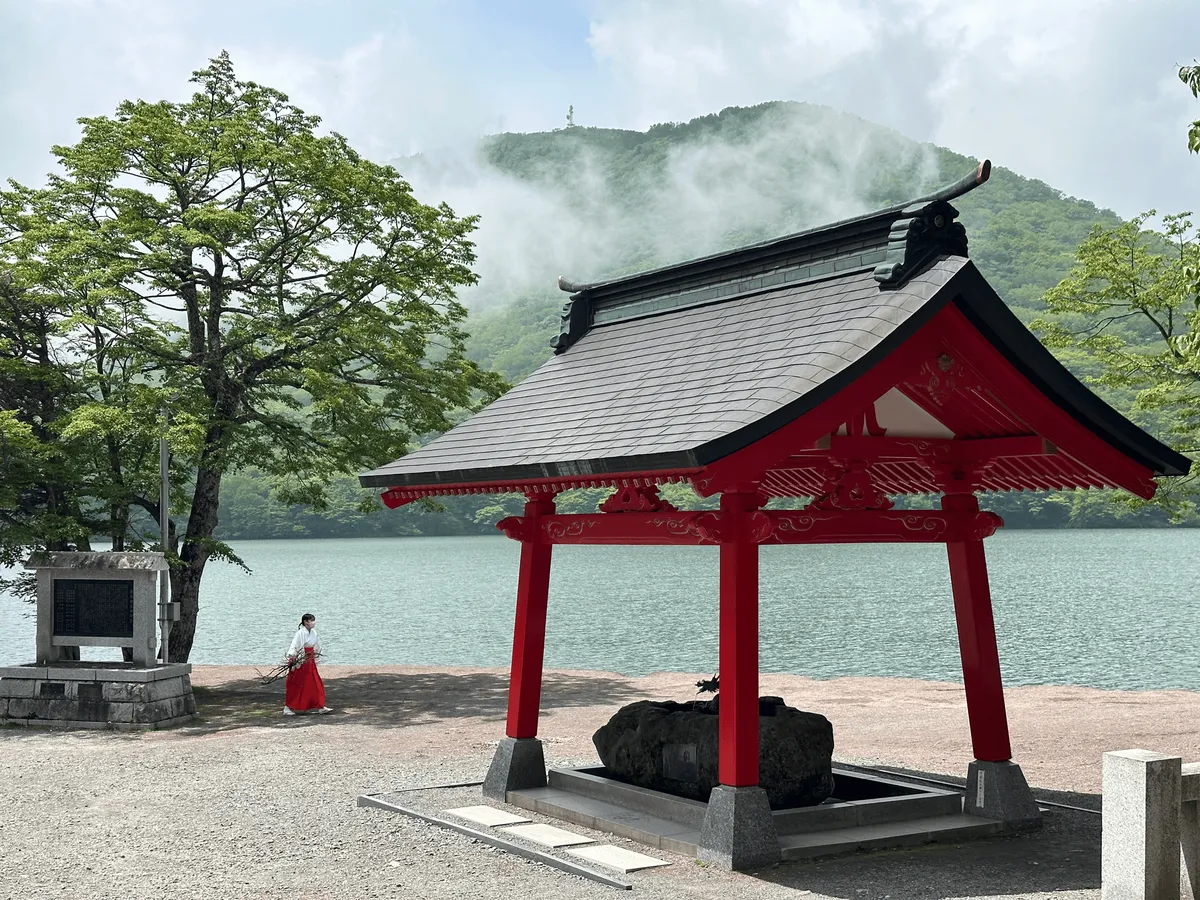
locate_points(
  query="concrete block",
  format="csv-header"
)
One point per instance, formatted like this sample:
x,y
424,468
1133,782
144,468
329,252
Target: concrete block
x,y
3,707
547,835
1189,846
35,672
145,713
517,765
120,712
1189,831
488,816
1140,836
68,673
21,708
618,858
124,692
56,708
739,830
998,791
165,688
16,687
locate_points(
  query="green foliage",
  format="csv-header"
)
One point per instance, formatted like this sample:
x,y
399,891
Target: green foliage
x,y
295,298
1131,304
1190,75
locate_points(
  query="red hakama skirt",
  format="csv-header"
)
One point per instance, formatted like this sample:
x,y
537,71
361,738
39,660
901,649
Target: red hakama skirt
x,y
304,688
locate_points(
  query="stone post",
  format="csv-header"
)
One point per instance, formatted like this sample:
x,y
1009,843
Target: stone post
x,y
1140,842
1189,831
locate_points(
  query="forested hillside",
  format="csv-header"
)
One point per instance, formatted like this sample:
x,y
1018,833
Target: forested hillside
x,y
749,174
592,203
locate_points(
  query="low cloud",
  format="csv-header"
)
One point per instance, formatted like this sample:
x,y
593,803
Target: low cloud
x,y
580,214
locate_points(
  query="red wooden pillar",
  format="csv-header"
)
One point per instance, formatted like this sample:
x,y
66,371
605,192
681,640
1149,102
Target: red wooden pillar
x,y
738,644
529,635
977,640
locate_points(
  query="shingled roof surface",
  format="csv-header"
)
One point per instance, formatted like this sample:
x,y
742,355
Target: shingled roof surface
x,y
647,391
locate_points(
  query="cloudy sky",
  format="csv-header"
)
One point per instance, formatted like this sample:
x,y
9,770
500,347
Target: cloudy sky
x,y
1080,93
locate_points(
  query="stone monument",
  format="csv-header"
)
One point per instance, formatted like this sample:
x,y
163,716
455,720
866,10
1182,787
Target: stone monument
x,y
97,600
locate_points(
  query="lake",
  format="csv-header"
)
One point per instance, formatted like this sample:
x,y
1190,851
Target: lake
x,y
1110,609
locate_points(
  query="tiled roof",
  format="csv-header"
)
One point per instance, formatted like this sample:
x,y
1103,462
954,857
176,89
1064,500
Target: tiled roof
x,y
650,391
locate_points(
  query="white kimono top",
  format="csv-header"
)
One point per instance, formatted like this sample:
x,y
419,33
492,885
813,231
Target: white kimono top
x,y
304,638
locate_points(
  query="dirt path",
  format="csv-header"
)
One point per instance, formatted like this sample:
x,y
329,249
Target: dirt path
x,y
1058,733
245,803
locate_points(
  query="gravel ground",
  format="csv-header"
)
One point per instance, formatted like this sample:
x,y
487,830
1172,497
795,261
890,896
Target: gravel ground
x,y
247,804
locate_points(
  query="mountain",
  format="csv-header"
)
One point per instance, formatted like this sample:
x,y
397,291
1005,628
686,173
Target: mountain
x,y
592,203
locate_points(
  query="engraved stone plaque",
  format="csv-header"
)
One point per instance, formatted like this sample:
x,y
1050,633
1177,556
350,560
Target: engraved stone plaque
x,y
679,763
93,608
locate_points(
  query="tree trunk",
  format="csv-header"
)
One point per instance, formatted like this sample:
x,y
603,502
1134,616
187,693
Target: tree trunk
x,y
193,554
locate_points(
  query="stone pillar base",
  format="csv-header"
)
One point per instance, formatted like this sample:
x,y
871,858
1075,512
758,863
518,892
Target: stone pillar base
x,y
738,831
998,790
518,765
97,695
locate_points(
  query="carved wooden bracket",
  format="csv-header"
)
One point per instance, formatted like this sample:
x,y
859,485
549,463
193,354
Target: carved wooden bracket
x,y
848,485
516,528
940,376
636,499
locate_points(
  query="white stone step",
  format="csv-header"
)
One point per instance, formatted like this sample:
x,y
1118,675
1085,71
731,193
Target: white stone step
x,y
547,835
485,815
617,858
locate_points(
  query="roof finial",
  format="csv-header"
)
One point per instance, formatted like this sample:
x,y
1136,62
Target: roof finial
x,y
981,174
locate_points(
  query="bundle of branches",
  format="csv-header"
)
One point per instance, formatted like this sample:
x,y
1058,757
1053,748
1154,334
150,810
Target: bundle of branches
x,y
286,667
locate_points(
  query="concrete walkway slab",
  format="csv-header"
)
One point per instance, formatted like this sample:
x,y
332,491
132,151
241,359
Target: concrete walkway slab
x,y
547,835
617,858
486,815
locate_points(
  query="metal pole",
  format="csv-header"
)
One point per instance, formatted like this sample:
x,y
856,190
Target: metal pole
x,y
164,530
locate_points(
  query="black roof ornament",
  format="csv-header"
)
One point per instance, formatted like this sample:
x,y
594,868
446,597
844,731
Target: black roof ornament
x,y
926,229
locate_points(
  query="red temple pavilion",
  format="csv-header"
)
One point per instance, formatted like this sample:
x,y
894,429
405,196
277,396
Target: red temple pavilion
x,y
847,364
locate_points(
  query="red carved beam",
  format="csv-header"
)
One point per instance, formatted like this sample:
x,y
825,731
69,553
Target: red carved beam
x,y
891,526
767,527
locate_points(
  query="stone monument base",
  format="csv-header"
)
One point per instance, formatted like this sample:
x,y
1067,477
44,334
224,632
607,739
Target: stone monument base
x,y
97,695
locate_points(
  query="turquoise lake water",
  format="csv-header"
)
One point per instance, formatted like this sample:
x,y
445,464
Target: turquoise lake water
x,y
1111,609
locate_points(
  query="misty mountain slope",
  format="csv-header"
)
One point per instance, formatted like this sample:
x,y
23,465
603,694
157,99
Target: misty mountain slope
x,y
592,203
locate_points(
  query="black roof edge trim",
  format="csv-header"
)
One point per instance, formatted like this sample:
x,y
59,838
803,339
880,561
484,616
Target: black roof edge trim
x,y
610,467
989,314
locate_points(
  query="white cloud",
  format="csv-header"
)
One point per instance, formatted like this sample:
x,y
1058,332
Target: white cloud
x,y
675,59
1069,92
1080,93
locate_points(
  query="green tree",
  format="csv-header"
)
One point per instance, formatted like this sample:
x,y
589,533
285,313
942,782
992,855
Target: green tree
x,y
296,298
1131,303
